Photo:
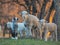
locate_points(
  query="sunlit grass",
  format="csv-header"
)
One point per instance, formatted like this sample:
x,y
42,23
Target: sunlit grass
x,y
27,42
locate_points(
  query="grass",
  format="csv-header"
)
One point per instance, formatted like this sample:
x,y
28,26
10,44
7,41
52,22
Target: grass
x,y
27,42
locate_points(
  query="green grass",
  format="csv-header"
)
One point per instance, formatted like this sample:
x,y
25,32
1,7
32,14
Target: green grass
x,y
27,42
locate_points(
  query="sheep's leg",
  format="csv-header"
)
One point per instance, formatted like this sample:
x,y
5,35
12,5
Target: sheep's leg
x,y
30,33
52,36
40,30
21,34
33,33
26,32
9,33
45,37
40,34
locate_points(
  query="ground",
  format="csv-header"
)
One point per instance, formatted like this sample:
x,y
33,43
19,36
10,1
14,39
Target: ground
x,y
27,42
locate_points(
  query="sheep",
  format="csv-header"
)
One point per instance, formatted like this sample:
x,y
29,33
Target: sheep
x,y
48,27
30,21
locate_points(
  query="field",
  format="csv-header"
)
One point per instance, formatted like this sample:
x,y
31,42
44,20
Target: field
x,y
27,42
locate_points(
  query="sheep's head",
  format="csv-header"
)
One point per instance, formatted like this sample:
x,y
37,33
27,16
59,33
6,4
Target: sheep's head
x,y
43,21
